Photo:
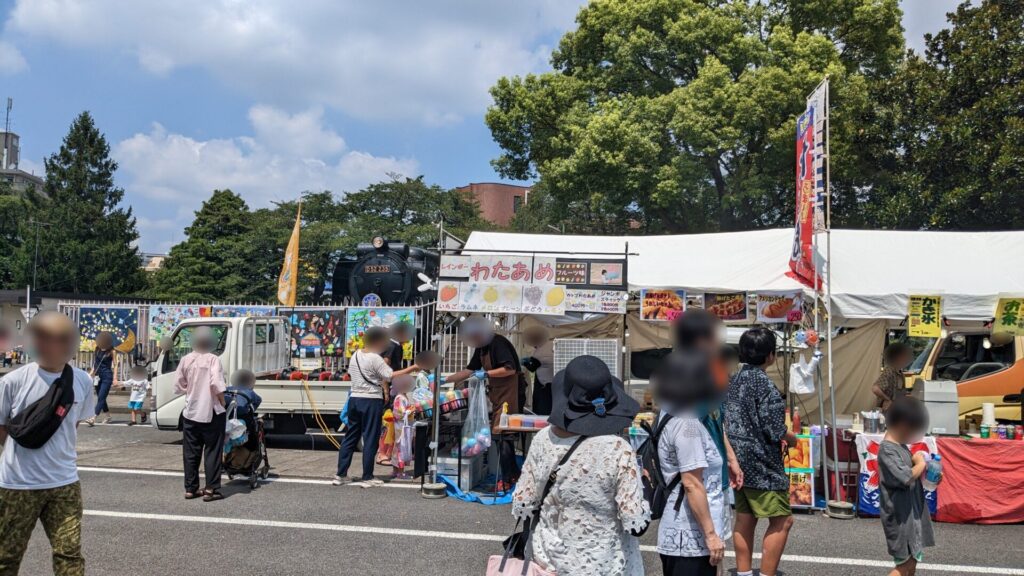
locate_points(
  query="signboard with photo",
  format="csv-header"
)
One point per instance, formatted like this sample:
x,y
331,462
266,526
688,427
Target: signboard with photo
x,y
607,274
780,307
799,463
729,306
659,305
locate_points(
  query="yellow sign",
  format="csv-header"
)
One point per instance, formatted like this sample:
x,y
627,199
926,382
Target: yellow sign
x,y
924,316
287,283
1009,316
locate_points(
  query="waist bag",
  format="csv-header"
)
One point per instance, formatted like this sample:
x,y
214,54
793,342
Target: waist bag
x,y
36,424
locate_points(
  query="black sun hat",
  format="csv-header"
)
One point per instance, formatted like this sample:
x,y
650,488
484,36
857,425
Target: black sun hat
x,y
588,400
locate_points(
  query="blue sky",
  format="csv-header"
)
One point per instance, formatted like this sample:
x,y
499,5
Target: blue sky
x,y
270,97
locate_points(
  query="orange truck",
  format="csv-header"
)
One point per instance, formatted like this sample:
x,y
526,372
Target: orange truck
x,y
986,368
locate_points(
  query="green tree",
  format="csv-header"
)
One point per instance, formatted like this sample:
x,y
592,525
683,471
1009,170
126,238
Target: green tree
x,y
320,242
89,244
14,230
406,209
958,125
679,115
217,261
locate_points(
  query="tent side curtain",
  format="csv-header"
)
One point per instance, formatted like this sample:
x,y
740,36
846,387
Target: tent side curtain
x,y
858,360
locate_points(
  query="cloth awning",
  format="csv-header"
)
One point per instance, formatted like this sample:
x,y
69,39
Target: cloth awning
x,y
873,271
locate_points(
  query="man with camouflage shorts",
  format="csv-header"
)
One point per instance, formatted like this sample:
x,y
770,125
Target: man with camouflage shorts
x,y
42,483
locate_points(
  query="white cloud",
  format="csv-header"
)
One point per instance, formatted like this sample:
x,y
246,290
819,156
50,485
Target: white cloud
x,y
403,59
11,59
286,154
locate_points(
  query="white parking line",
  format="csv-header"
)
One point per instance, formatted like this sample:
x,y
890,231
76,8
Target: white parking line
x,y
453,536
270,480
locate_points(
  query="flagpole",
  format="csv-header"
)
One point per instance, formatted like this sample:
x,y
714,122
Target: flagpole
x,y
828,280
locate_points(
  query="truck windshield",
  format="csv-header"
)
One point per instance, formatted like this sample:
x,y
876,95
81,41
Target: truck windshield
x,y
923,347
182,344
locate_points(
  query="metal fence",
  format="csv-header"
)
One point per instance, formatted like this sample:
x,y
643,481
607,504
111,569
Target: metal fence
x,y
433,331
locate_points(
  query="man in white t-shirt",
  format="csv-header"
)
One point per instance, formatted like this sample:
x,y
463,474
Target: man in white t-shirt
x,y
42,483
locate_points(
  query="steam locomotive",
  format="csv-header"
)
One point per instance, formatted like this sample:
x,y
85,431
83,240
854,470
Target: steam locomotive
x,y
384,272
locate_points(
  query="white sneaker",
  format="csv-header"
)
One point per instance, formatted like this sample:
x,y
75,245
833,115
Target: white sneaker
x,y
363,484
375,482
339,480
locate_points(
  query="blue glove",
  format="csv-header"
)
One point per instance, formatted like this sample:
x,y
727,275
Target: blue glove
x,y
480,374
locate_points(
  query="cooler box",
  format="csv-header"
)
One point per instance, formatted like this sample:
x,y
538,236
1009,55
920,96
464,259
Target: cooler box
x,y
472,470
943,403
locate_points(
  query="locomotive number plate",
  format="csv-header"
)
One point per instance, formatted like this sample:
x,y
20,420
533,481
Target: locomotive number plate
x,y
376,269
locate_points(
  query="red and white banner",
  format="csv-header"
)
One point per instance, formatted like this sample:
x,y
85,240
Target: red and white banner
x,y
801,261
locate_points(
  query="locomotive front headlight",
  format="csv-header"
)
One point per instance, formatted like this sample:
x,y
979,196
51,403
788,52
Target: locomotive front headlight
x,y
378,242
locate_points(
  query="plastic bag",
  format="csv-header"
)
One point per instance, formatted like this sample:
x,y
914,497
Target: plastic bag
x,y
801,375
235,431
476,431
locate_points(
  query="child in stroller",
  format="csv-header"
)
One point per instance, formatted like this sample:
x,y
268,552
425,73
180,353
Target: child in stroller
x,y
245,459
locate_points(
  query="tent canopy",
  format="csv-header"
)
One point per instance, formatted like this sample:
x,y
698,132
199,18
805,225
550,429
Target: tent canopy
x,y
874,271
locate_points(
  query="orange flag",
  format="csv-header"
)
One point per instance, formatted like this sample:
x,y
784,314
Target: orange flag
x,y
287,283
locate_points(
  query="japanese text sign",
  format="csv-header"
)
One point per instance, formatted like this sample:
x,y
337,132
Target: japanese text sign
x,y
924,316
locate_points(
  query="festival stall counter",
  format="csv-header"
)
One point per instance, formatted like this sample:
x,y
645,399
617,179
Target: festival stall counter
x,y
983,479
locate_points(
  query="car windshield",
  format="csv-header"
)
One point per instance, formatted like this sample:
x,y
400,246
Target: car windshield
x,y
923,347
182,344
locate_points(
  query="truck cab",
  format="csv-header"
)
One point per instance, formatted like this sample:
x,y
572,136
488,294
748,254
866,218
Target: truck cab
x,y
985,367
262,345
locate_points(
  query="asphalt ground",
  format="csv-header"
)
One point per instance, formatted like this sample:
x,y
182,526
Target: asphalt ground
x,y
137,522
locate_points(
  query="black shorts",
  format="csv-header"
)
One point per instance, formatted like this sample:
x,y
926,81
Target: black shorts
x,y
687,566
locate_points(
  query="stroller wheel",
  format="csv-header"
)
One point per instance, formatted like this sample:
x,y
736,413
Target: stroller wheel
x,y
253,480
265,472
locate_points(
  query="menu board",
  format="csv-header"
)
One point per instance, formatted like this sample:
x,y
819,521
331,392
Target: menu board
x,y
657,305
780,307
538,299
799,463
729,307
587,300
924,316
571,272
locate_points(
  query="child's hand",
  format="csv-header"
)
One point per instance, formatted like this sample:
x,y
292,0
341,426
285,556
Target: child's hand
x,y
917,458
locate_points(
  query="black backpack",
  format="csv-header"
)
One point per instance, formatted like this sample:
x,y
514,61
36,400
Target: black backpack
x,y
656,489
36,424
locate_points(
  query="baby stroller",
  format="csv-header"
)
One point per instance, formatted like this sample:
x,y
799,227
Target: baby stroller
x,y
248,458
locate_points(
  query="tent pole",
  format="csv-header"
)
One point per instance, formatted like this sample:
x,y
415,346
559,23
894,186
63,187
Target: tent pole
x,y
828,278
435,489
817,378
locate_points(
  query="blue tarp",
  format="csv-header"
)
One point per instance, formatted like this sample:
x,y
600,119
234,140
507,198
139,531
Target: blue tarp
x,y
486,499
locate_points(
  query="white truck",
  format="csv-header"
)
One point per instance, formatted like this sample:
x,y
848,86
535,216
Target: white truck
x,y
260,344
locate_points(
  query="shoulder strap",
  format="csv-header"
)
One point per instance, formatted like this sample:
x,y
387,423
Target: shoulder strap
x,y
553,475
355,356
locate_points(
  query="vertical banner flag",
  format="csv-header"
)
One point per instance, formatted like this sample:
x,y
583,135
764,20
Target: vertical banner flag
x,y
801,261
287,283
816,102
924,316
1009,316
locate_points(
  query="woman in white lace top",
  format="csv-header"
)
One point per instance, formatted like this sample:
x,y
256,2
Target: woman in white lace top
x,y
595,509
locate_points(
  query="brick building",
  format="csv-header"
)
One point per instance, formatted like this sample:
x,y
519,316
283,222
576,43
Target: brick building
x,y
498,202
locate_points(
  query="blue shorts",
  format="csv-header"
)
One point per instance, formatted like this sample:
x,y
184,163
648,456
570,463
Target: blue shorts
x,y
135,405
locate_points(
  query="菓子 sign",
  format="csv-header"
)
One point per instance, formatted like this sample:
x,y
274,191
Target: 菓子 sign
x,y
924,316
1009,317
780,307
658,305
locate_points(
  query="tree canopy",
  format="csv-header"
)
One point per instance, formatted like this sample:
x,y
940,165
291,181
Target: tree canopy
x,y
87,239
234,254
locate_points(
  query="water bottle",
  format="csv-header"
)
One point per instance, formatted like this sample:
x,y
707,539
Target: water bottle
x,y
932,473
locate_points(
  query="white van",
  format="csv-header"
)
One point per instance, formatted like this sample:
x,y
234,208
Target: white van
x,y
260,344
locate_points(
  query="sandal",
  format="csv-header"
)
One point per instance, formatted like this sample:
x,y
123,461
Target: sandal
x,y
212,496
192,495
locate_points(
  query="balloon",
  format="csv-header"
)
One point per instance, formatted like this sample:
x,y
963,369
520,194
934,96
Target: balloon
x,y
812,337
800,337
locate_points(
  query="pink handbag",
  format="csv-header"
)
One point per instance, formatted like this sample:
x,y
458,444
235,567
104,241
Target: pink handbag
x,y
514,567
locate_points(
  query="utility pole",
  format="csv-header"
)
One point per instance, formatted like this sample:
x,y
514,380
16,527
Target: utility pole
x,y
35,258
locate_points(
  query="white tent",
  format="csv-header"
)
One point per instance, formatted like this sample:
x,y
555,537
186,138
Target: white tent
x,y
873,270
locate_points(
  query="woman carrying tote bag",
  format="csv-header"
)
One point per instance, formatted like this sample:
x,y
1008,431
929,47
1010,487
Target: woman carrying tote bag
x,y
587,521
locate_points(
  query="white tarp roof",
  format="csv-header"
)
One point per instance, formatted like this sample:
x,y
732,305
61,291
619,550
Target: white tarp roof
x,y
873,273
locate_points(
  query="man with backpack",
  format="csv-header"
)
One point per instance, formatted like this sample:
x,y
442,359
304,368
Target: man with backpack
x,y
41,405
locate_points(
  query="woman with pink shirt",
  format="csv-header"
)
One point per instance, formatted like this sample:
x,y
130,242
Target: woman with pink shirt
x,y
201,380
